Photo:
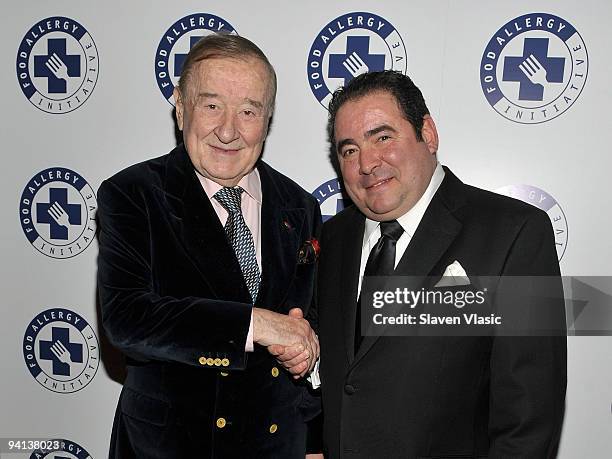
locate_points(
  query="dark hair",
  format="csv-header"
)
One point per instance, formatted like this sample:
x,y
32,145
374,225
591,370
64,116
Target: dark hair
x,y
409,98
225,45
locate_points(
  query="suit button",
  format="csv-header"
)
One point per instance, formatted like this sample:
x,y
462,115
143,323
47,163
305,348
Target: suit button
x,y
210,361
349,389
221,423
225,362
217,362
273,428
275,372
202,360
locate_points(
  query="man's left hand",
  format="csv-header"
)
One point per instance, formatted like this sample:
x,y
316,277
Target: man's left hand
x,y
293,358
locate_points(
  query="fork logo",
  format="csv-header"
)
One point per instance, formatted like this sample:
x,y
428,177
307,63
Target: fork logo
x,y
57,65
176,43
534,68
350,45
61,350
57,212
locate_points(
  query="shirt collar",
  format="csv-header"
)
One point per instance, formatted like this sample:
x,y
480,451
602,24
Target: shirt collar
x,y
250,183
411,219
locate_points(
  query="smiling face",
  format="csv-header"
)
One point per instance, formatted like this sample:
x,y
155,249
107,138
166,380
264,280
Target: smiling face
x,y
224,114
384,167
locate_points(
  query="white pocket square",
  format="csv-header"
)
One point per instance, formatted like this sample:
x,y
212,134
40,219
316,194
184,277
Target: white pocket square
x,y
454,275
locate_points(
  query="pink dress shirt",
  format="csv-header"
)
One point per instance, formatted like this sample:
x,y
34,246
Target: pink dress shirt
x,y
251,211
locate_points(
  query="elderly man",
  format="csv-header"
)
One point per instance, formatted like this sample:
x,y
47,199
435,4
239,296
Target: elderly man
x,y
426,396
203,254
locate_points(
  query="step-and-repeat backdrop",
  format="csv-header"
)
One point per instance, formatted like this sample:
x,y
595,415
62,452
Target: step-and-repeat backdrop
x,y
520,92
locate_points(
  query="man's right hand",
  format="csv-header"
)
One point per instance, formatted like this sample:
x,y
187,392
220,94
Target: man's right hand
x,y
278,331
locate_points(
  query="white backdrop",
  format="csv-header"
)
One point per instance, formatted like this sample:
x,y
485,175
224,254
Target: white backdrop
x,y
121,116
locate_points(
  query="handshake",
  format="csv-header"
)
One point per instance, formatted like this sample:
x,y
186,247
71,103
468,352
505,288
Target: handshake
x,y
288,337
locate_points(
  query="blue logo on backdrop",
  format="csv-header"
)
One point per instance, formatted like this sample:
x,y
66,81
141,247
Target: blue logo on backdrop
x,y
534,68
176,43
542,200
67,450
61,350
57,65
350,45
329,196
57,212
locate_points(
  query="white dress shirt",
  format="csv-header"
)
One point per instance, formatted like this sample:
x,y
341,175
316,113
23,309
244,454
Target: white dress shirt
x,y
409,222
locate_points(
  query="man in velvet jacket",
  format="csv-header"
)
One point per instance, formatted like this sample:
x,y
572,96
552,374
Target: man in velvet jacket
x,y
427,396
200,381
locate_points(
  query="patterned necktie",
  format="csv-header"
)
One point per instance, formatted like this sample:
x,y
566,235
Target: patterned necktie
x,y
239,235
381,262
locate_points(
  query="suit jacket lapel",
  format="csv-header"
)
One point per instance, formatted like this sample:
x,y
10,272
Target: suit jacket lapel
x,y
434,235
281,228
352,243
198,228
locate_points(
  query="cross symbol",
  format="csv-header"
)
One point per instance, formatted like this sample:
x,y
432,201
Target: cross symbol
x,y
361,46
59,195
62,335
73,63
554,66
179,59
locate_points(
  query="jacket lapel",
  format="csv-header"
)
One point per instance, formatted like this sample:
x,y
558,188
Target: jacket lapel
x,y
434,235
349,276
199,230
281,229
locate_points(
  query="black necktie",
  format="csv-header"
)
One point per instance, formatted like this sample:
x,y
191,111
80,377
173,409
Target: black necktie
x,y
240,237
381,262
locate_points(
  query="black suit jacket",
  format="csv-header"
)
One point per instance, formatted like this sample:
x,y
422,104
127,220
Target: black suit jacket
x,y
173,299
441,397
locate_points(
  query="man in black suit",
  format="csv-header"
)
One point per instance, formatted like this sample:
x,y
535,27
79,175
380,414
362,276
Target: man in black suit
x,y
427,396
205,254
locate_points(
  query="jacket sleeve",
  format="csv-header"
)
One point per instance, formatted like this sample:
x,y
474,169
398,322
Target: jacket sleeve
x,y
139,321
529,373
